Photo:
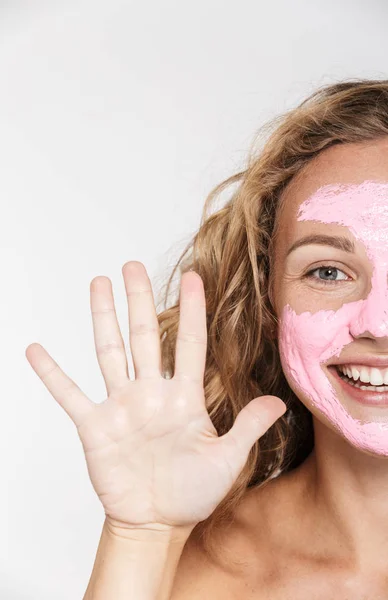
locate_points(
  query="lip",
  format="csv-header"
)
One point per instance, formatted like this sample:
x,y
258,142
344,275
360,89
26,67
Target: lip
x,y
361,396
370,361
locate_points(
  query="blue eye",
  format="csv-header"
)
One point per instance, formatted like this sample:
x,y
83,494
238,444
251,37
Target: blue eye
x,y
326,271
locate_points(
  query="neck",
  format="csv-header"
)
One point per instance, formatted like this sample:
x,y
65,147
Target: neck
x,y
349,498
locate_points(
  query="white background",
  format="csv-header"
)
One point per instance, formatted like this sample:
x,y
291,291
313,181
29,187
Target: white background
x,y
116,120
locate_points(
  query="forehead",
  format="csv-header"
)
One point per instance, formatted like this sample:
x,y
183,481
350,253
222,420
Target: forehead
x,y
304,202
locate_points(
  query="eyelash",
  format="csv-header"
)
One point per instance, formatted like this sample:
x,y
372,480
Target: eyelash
x,y
309,275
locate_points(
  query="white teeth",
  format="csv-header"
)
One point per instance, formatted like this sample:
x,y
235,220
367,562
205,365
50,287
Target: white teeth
x,y
368,388
365,374
376,377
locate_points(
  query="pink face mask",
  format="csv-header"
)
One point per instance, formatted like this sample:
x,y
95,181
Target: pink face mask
x,y
307,340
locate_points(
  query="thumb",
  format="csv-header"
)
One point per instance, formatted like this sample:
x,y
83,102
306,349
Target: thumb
x,y
250,424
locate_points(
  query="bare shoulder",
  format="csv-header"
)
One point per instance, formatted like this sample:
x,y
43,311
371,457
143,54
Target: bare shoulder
x,y
242,558
256,551
200,576
263,553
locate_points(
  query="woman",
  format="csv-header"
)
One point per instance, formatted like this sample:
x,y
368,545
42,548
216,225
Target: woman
x,y
248,457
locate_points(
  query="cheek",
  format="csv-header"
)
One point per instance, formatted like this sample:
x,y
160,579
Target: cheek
x,y
302,341
306,340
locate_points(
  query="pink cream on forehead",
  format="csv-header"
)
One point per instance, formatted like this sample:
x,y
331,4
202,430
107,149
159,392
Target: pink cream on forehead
x,y
309,339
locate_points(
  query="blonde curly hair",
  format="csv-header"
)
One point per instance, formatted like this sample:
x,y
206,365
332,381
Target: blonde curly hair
x,y
233,253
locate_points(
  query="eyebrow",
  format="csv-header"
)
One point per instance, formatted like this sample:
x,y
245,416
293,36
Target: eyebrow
x,y
339,242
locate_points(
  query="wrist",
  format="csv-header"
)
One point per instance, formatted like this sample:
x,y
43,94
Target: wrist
x,y
154,532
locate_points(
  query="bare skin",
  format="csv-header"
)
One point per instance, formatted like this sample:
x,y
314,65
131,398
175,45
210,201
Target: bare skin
x,y
153,455
320,531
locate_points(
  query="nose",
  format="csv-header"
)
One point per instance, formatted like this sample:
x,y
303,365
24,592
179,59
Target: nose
x,y
372,319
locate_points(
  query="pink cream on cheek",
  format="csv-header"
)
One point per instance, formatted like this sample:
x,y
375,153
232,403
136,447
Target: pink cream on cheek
x,y
307,340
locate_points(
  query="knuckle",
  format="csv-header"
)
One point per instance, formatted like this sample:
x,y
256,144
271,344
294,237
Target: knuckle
x,y
108,347
103,311
49,373
191,337
138,292
257,418
143,329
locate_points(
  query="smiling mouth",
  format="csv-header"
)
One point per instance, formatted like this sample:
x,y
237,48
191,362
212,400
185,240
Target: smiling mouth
x,y
361,385
361,392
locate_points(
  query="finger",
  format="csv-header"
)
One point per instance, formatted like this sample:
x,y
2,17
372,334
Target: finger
x,y
143,322
191,340
109,343
251,423
60,386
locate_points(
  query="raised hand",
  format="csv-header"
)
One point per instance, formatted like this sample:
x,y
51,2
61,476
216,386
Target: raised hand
x,y
153,455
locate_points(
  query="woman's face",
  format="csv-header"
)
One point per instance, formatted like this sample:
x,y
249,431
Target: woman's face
x,y
331,293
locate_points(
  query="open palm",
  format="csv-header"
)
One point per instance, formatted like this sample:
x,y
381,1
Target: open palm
x,y
152,452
